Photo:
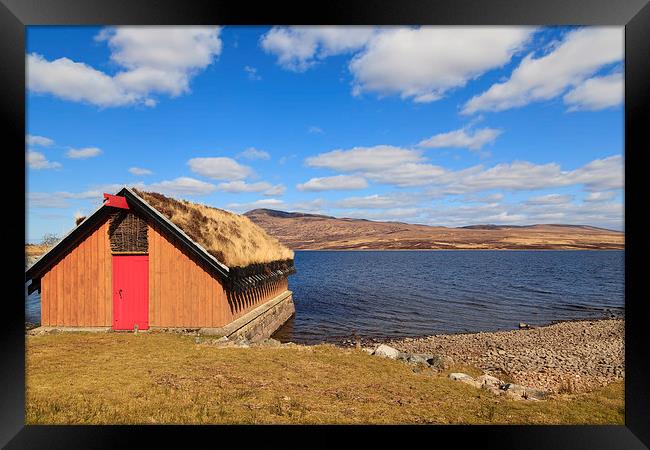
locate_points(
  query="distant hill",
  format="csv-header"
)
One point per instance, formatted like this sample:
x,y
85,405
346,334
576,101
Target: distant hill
x,y
313,232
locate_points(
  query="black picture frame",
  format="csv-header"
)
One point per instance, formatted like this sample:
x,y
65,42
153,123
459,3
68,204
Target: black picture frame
x,y
15,15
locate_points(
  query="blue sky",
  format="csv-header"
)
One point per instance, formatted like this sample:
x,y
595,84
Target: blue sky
x,y
437,125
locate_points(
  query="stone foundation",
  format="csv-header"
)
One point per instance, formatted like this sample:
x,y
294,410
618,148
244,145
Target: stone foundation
x,y
255,325
259,323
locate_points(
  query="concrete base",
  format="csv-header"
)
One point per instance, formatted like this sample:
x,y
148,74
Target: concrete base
x,y
259,323
45,330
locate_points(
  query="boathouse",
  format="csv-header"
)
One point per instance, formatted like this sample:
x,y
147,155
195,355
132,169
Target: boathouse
x,y
146,261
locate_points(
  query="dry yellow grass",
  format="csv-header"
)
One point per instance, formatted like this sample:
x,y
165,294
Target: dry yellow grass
x,y
35,249
231,238
154,378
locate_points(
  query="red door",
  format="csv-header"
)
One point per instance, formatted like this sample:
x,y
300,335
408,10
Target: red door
x,y
130,292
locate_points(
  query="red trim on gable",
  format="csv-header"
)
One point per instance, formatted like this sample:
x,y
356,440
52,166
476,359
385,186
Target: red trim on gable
x,y
116,201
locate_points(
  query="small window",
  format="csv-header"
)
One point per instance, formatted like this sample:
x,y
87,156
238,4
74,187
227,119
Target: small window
x,y
128,233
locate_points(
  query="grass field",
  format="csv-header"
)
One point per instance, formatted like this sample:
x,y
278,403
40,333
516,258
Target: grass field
x,y
155,378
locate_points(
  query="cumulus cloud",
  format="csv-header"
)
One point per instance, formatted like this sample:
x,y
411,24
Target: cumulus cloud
x,y
242,186
298,48
75,82
253,153
37,160
600,196
407,168
83,153
139,171
596,93
335,183
580,54
38,141
219,168
424,63
376,158
463,138
182,186
549,199
488,198
152,60
376,201
59,199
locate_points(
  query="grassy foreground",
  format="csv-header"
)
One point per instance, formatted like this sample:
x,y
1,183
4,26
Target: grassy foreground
x,y
155,378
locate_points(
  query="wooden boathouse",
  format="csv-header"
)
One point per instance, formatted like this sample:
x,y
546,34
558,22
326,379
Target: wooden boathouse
x,y
146,261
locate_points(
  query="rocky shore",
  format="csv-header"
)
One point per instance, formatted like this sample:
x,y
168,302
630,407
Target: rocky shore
x,y
565,357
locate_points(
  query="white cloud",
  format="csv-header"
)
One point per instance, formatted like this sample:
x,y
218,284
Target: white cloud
x,y
489,198
410,174
376,158
299,47
376,201
219,168
600,196
315,130
596,93
37,160
181,186
242,186
424,63
338,183
252,73
139,171
83,153
152,60
580,54
463,138
549,199
253,153
39,141
407,168
74,81
59,199
276,189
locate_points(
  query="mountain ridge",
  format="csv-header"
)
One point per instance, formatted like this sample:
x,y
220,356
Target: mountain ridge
x,y
305,231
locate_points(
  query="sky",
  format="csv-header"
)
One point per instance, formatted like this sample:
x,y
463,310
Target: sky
x,y
449,126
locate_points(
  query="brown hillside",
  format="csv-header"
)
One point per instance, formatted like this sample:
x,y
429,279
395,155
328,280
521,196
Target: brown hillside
x,y
312,232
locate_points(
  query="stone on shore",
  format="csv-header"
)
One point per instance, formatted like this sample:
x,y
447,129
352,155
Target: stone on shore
x,y
387,352
464,378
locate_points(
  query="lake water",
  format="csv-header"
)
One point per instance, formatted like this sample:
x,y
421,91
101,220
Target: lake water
x,y
388,294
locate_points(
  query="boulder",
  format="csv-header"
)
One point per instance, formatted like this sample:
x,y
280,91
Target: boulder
x,y
386,351
518,392
488,381
418,359
464,378
440,362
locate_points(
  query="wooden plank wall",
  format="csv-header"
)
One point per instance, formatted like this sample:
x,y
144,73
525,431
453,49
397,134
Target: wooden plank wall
x,y
77,290
183,294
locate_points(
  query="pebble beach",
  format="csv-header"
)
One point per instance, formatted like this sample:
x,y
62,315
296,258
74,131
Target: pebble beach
x,y
566,357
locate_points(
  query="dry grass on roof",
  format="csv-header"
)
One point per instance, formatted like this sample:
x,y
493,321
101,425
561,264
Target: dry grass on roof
x,y
231,238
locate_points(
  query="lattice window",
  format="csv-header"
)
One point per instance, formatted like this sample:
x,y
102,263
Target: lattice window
x,y
128,233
